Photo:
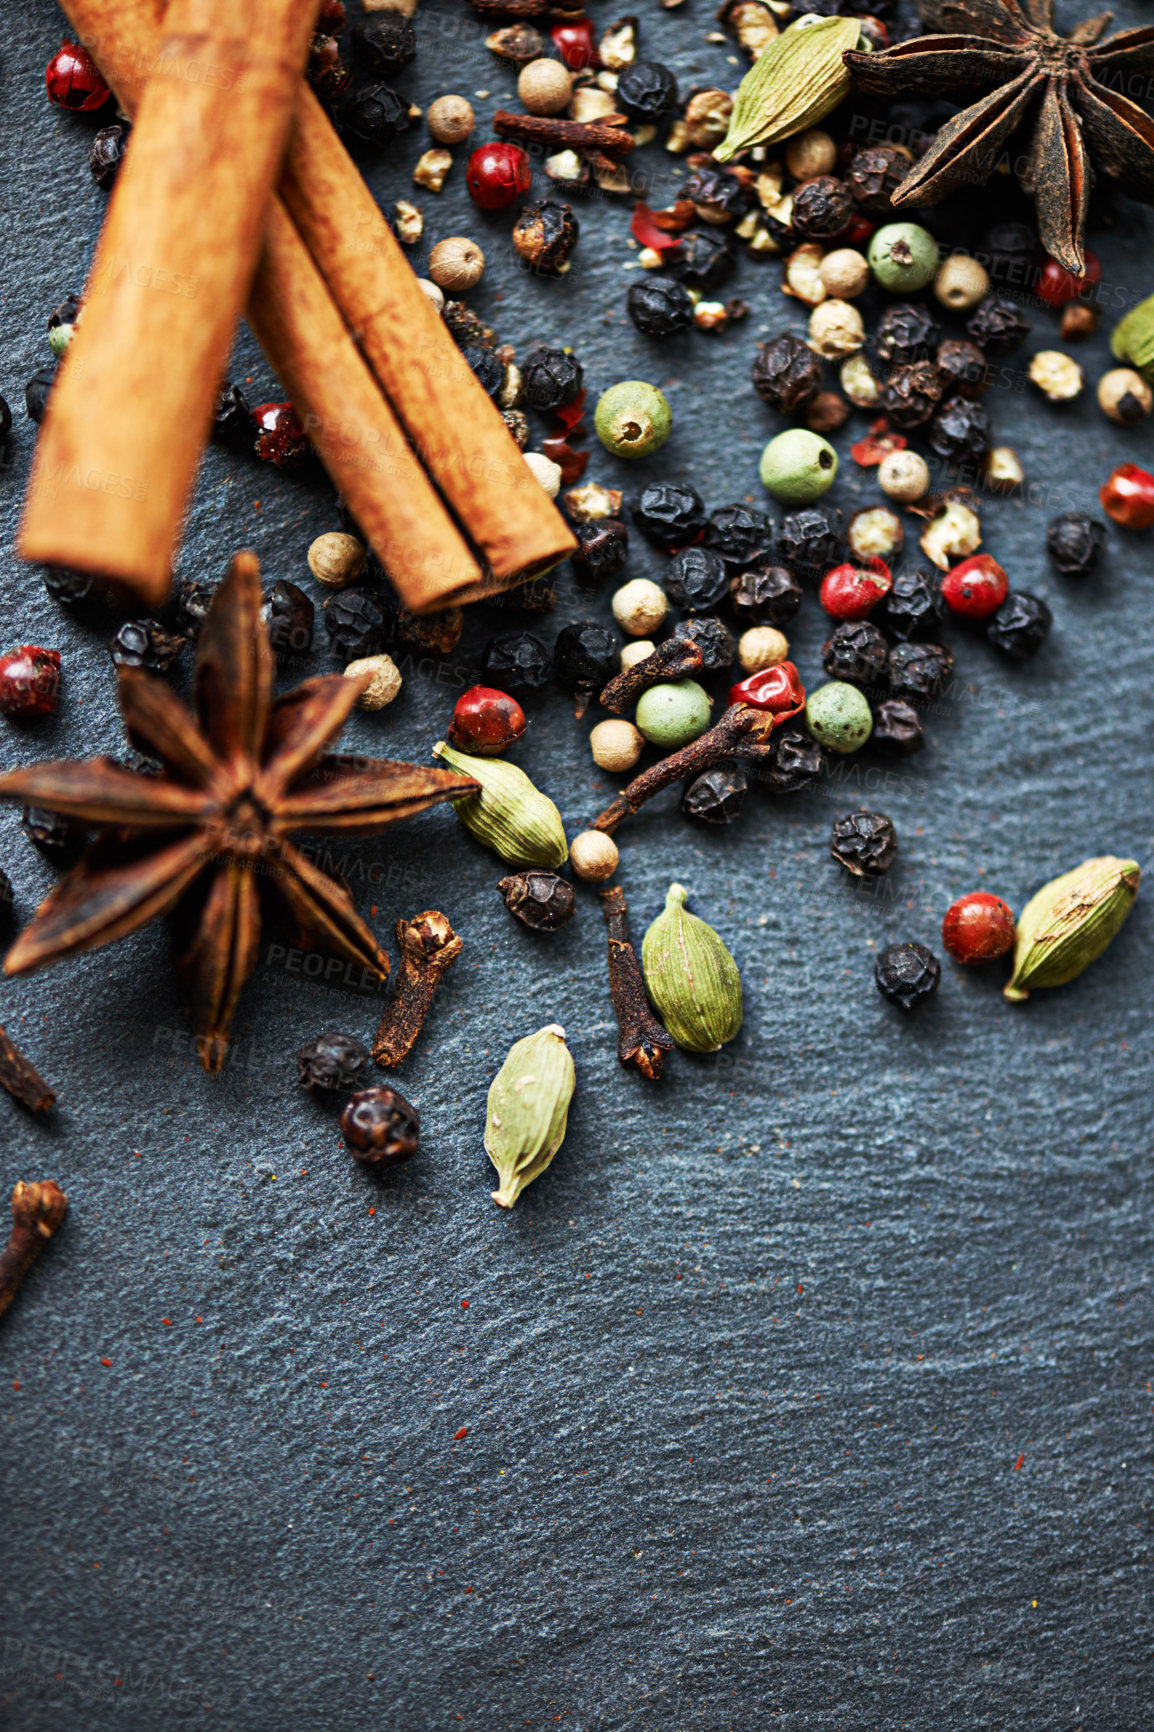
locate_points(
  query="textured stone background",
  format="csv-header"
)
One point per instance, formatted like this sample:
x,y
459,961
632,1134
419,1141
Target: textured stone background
x,y
808,1389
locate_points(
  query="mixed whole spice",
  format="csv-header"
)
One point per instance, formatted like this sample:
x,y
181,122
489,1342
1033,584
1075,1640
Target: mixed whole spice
x,y
842,173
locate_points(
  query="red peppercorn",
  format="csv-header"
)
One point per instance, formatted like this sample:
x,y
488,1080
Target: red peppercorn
x,y
1128,497
72,80
29,681
778,689
850,591
486,721
856,232
1057,286
976,588
281,438
978,928
497,175
575,43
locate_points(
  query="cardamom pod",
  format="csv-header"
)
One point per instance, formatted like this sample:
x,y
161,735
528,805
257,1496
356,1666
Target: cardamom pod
x,y
1070,922
509,815
1133,338
691,977
528,1110
792,84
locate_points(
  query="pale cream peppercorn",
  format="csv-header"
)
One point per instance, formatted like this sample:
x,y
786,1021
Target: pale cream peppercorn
x,y
904,476
450,119
456,264
615,745
432,167
545,86
383,684
836,328
336,559
544,470
432,292
1124,395
845,273
857,381
594,856
810,153
762,646
803,274
707,118
1002,469
1058,377
875,532
961,283
640,606
638,651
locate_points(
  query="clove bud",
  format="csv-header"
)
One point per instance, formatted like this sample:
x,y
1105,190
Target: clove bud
x,y
37,1211
642,1041
428,947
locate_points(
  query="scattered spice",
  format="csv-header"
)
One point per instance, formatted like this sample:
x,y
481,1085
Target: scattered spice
x,y
642,1039
428,946
539,900
21,1079
37,1211
691,977
528,1110
1066,925
380,1127
907,974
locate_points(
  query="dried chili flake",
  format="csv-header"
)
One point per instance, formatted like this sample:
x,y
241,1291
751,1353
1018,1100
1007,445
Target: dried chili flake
x,y
877,445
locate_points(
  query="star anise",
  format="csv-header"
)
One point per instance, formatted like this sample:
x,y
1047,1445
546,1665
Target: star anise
x,y
208,838
1068,89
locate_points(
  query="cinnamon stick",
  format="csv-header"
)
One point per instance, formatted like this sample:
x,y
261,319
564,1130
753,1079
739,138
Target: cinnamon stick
x,y
131,410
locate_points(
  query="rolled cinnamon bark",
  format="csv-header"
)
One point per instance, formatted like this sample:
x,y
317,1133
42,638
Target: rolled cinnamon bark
x,y
132,408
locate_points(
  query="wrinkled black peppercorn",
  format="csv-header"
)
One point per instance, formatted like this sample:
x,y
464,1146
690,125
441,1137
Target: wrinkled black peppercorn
x,y
355,621
550,378
539,900
961,428
997,326
911,393
584,657
865,843
898,729
1009,252
332,1062
544,235
106,154
380,1127
372,113
716,796
193,599
963,368
739,535
1075,542
856,652
919,671
37,391
906,332
875,174
232,419
646,90
786,373
602,549
906,974
811,541
68,586
517,662
910,610
670,513
60,840
703,258
144,643
765,595
660,306
384,42
1021,625
488,371
288,613
795,761
697,580
822,207
712,637
720,194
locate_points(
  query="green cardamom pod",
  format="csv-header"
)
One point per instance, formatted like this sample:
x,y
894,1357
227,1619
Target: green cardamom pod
x,y
1070,921
528,1110
1133,339
792,84
509,815
691,977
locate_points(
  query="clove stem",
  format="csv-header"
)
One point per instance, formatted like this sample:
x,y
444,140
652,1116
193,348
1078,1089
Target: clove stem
x,y
428,947
673,660
742,731
602,137
37,1211
642,1039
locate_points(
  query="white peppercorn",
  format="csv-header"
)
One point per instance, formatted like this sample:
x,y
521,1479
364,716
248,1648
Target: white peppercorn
x,y
456,264
615,745
954,532
836,328
433,293
875,533
544,470
904,476
1057,376
383,684
811,153
961,283
1124,395
803,274
762,646
639,651
845,273
594,856
545,86
336,559
640,606
857,381
450,119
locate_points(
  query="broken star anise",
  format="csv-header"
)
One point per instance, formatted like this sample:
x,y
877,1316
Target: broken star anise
x,y
1068,89
209,836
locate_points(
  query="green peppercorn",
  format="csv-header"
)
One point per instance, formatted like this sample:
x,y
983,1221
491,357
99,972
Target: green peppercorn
x,y
903,257
798,467
633,419
838,716
672,714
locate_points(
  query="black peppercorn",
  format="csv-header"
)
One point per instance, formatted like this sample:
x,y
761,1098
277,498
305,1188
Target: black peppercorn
x,y
232,418
786,374
697,580
906,332
919,671
539,900
355,622
739,535
37,391
961,428
288,613
1021,625
910,609
963,368
602,549
380,1127
856,652
911,393
822,207
1075,542
703,258
488,371
997,326
660,306
646,90
372,113
865,843
331,1063
465,327
716,796
544,235
584,657
68,586
898,729
906,974
144,643
106,154
718,195
517,662
670,513
1009,252
811,541
712,637
193,599
60,840
875,174
384,42
550,378
765,595
795,761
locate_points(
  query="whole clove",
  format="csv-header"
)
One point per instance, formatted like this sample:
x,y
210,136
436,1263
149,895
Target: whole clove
x,y
743,732
642,1039
21,1079
675,659
37,1211
596,137
428,947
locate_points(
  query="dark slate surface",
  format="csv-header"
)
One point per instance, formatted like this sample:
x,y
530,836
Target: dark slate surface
x,y
809,1389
